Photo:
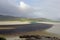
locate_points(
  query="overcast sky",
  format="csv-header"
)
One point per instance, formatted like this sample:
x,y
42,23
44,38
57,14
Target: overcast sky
x,y
38,8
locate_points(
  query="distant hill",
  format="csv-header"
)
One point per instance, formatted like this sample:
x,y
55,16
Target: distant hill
x,y
6,18
12,18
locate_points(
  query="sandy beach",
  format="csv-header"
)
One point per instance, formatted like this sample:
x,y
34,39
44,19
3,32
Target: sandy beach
x,y
53,31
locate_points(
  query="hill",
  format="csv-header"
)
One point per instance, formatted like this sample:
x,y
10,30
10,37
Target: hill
x,y
12,18
7,18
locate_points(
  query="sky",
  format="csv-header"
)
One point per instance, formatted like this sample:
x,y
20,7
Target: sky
x,y
32,9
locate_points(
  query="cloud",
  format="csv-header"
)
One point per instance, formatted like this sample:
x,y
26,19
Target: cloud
x,y
40,8
7,8
47,8
50,8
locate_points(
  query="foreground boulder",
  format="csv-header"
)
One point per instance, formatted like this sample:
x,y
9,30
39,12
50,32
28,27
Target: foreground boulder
x,y
1,38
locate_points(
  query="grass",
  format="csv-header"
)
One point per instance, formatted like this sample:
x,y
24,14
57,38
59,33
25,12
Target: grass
x,y
32,20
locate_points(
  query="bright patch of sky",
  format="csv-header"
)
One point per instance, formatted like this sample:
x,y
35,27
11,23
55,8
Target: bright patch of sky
x,y
48,8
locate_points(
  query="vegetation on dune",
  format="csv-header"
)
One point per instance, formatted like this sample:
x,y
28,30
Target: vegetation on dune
x,y
11,18
26,19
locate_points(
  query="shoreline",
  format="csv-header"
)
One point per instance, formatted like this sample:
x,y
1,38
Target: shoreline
x,y
19,22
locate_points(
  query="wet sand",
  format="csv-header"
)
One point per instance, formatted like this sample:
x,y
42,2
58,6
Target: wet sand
x,y
28,30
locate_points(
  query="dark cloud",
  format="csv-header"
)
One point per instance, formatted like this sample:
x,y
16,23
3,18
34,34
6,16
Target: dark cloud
x,y
7,8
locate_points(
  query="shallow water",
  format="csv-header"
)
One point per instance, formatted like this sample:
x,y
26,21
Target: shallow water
x,y
26,28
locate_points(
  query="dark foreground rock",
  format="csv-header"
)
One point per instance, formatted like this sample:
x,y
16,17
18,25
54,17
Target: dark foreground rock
x,y
37,37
